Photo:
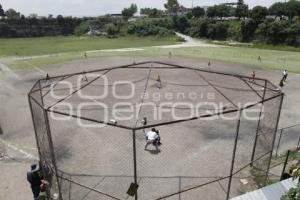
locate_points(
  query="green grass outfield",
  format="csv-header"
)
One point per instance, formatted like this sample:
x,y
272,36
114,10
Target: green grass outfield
x,y
52,45
271,59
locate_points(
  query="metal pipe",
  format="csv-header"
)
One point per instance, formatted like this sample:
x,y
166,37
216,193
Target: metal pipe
x,y
285,163
134,162
51,146
274,137
233,155
279,140
258,125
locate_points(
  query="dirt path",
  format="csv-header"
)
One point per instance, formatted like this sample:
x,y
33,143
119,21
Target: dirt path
x,y
189,42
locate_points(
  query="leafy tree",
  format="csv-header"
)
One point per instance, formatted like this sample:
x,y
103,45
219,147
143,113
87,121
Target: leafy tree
x,y
234,30
1,11
273,31
198,12
242,10
182,24
277,32
129,12
278,9
172,6
211,11
199,27
218,30
5,30
293,33
82,28
218,11
111,29
259,13
189,15
12,14
292,8
248,28
146,28
293,193
152,12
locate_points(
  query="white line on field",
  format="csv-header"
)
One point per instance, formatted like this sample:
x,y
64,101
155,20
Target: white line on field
x,y
36,68
24,153
10,72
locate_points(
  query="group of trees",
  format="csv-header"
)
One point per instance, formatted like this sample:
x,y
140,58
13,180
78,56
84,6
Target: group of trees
x,y
249,25
269,31
129,12
213,23
100,25
152,12
149,27
17,25
290,9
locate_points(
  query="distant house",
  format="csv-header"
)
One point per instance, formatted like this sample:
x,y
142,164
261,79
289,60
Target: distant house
x,y
135,17
115,15
277,18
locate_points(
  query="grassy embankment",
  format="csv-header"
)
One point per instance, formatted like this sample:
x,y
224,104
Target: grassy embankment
x,y
72,48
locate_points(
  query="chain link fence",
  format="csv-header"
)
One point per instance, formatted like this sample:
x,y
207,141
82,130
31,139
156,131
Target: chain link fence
x,y
87,154
287,138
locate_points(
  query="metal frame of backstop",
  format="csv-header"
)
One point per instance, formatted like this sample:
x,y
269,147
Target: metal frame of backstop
x,y
45,144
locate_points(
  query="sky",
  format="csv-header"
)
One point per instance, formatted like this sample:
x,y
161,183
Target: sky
x,y
101,7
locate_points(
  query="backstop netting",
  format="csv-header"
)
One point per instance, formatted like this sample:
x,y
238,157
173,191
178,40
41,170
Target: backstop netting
x,y
215,129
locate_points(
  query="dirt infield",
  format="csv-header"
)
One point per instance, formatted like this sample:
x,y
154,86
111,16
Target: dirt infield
x,y
154,170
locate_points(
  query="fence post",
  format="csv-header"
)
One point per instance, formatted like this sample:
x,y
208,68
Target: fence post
x,y
274,137
233,155
279,140
258,125
50,142
134,162
285,163
298,145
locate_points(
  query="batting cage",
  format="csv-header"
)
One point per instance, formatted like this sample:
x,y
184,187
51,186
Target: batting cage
x,y
152,131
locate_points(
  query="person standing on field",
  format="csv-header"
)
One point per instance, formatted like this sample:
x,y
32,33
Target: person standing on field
x,y
285,75
158,82
33,177
253,74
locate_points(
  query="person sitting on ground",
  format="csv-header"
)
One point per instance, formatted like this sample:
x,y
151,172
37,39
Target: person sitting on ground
x,y
33,177
152,137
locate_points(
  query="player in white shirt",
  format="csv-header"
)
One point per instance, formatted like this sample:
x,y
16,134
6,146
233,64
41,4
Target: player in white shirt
x,y
152,137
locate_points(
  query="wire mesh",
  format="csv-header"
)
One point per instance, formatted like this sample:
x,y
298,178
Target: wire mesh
x,y
286,139
40,122
205,155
